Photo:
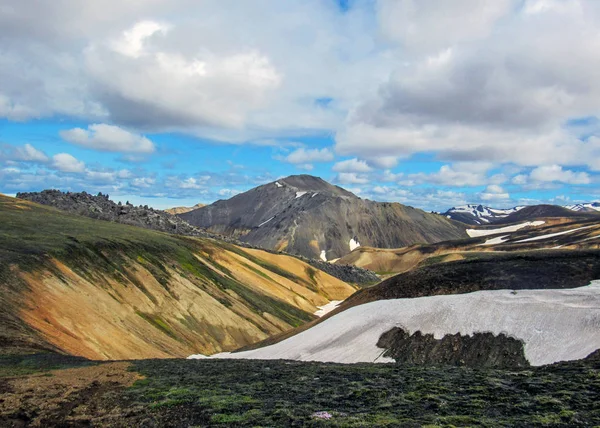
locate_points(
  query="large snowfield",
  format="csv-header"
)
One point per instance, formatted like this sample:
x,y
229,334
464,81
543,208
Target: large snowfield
x,y
555,325
475,233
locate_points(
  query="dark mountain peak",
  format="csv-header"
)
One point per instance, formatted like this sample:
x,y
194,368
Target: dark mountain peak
x,y
310,183
306,215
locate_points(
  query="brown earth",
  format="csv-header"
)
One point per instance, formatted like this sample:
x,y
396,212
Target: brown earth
x,y
110,319
70,397
181,210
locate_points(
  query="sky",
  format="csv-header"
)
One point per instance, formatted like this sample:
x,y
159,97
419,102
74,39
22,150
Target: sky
x,y
431,103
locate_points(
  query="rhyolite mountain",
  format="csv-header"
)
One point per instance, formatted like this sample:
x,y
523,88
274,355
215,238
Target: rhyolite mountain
x,y
305,215
181,210
105,290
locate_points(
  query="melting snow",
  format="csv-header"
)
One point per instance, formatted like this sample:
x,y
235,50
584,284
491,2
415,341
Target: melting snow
x,y
325,309
278,184
555,325
314,194
353,244
299,194
496,240
265,222
323,255
552,235
474,233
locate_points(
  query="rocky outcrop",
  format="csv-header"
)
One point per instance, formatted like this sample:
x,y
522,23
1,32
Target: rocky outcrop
x,y
102,208
478,350
347,273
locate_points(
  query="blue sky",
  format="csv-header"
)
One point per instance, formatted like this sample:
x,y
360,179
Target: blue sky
x,y
395,100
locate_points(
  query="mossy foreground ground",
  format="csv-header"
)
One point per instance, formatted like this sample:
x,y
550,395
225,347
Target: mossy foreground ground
x,y
281,393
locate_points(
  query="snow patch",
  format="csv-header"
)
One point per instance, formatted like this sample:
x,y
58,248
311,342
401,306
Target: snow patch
x,y
325,309
265,222
475,233
278,184
300,194
552,235
555,325
323,255
353,244
314,194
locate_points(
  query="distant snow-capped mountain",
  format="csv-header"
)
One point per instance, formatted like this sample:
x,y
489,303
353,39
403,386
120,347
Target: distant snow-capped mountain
x,y
478,214
481,215
584,207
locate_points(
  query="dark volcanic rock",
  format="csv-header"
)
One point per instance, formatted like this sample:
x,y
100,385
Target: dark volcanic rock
x,y
554,269
307,216
347,273
102,208
479,350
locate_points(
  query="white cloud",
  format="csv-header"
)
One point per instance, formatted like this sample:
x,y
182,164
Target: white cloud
x,y
67,163
351,165
462,174
351,178
494,192
383,162
555,173
108,138
495,88
143,182
28,153
228,193
304,156
520,179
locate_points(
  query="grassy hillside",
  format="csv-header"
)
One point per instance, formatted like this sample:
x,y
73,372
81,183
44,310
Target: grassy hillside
x,y
111,291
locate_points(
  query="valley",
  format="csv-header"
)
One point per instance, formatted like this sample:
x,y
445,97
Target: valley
x,y
120,325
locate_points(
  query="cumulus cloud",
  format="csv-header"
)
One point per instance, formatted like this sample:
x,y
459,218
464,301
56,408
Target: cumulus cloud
x,y
494,192
465,174
143,182
108,138
351,178
305,156
28,153
431,25
499,93
555,173
67,163
352,165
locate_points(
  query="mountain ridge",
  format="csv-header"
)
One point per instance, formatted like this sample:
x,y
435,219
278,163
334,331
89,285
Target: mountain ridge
x,y
305,215
481,215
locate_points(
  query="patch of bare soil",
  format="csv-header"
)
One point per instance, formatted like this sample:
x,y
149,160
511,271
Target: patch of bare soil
x,y
71,397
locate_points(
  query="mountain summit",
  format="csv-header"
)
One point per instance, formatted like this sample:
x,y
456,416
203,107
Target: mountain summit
x,y
306,215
